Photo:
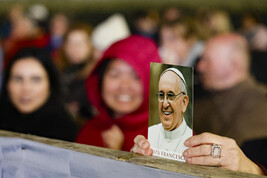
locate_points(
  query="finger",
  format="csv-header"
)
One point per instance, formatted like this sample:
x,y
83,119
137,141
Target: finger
x,y
204,138
137,149
134,149
117,132
111,131
105,138
138,138
141,142
147,152
106,144
104,134
205,160
202,150
115,128
107,131
107,134
115,136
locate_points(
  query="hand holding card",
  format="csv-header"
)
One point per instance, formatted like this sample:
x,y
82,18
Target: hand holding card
x,y
142,146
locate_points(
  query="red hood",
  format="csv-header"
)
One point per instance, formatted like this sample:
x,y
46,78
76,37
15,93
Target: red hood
x,y
138,52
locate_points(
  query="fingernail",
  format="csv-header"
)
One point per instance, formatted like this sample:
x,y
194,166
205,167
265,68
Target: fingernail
x,y
147,152
185,154
142,143
186,143
143,152
146,145
189,160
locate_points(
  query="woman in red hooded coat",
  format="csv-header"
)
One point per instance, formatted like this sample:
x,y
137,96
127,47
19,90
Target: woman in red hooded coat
x,y
118,88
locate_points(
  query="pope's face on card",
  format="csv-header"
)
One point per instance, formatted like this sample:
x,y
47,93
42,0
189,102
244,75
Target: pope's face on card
x,y
171,111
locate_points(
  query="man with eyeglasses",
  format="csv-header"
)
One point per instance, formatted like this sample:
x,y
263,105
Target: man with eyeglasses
x,y
170,134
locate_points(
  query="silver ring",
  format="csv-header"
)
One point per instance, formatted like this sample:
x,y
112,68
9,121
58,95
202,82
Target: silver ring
x,y
216,151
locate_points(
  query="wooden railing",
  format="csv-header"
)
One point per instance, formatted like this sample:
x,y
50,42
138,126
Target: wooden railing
x,y
152,161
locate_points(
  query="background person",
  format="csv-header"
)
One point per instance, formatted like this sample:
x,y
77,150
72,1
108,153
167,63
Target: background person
x,y
58,27
236,104
118,88
30,98
77,63
146,23
25,32
256,34
179,43
210,23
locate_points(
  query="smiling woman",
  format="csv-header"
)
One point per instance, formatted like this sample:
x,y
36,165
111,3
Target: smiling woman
x,y
122,88
118,88
30,98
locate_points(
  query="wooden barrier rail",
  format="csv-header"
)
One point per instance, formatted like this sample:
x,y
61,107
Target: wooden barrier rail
x,y
152,161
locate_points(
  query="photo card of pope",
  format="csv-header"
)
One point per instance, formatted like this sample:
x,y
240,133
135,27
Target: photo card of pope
x,y
170,109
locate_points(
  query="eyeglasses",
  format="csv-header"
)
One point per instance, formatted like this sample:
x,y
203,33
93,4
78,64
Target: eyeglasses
x,y
170,96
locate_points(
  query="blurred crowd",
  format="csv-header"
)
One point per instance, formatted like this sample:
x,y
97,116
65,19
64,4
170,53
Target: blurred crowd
x,y
70,94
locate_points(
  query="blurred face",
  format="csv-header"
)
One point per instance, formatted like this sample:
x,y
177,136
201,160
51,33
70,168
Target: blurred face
x,y
28,85
78,47
171,111
59,25
22,28
215,65
174,42
122,89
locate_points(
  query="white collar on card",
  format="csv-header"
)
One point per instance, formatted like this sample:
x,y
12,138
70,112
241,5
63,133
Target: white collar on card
x,y
175,133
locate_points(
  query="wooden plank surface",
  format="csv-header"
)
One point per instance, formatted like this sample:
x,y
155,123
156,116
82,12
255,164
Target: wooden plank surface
x,y
152,161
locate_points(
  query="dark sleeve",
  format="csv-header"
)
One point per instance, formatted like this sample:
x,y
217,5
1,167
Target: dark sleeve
x,y
264,169
256,150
